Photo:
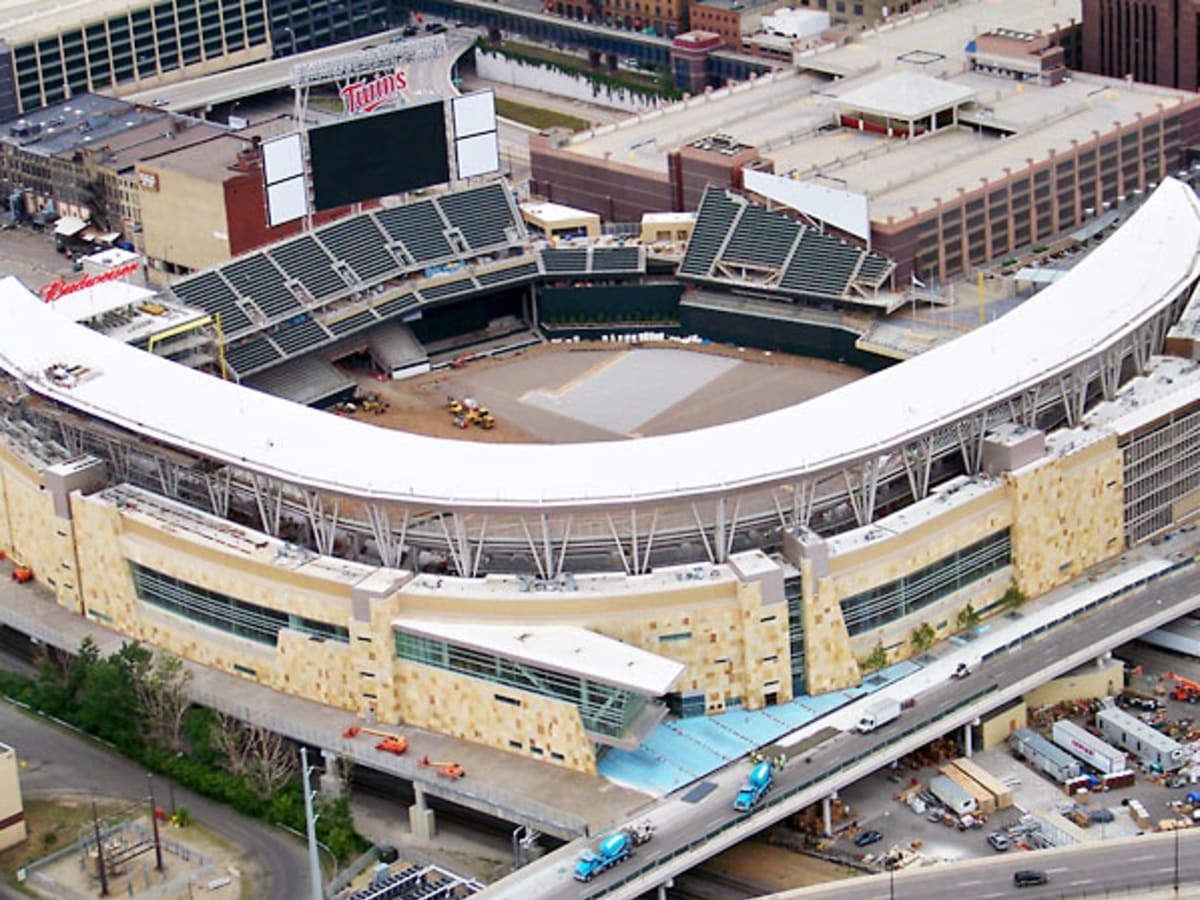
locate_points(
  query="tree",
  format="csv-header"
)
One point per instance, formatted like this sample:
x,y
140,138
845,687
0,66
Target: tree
x,y
161,689
968,618
923,637
1013,597
257,753
108,705
877,659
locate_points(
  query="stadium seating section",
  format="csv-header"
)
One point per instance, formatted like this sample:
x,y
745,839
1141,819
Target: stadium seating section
x,y
733,235
293,297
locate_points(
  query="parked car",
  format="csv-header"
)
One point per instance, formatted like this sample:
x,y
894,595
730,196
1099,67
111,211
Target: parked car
x,y
998,841
866,838
1030,878
435,28
410,31
1100,816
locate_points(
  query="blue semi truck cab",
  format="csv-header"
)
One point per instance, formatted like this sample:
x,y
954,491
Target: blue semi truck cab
x,y
755,788
614,849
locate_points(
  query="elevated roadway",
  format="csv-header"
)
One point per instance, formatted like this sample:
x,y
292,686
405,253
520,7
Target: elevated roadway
x,y
1123,868
689,833
428,78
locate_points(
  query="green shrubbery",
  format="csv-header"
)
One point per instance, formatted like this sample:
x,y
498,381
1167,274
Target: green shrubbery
x,y
135,700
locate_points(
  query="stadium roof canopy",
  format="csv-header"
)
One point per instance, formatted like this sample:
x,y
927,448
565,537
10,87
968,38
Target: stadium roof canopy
x,y
573,651
1128,280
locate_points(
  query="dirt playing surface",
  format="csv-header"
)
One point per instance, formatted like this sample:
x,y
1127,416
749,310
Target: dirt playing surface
x,y
515,388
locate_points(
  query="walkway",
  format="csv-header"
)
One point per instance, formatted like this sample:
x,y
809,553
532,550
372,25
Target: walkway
x,y
681,751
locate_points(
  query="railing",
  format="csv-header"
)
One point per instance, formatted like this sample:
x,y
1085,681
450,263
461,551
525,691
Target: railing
x,y
784,796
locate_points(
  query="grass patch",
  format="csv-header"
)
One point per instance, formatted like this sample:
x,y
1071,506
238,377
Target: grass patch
x,y
51,825
538,117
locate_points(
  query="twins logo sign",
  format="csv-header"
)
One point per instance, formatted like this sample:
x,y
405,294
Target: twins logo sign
x,y
365,96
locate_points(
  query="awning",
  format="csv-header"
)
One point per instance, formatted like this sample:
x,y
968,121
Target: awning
x,y
69,226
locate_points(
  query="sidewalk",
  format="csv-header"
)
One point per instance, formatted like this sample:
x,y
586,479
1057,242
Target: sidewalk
x,y
557,801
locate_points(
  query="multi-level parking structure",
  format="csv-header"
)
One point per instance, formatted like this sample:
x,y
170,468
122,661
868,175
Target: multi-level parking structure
x,y
833,462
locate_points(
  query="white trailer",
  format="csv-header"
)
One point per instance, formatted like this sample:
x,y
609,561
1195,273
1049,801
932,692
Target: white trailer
x,y
954,797
1043,755
1082,744
1148,744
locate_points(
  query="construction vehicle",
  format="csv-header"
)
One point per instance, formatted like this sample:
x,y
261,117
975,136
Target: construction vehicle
x,y
1185,690
396,745
757,786
451,770
614,849
22,574
391,743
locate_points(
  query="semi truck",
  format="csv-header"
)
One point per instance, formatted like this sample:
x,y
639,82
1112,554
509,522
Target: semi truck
x,y
1081,743
614,849
880,712
756,787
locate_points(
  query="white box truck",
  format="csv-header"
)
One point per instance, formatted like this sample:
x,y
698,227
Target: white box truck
x,y
880,712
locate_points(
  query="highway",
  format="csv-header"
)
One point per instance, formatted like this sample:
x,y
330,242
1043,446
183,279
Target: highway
x,y
688,833
62,762
1118,867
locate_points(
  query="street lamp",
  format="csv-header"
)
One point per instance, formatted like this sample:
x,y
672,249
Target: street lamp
x,y
1176,862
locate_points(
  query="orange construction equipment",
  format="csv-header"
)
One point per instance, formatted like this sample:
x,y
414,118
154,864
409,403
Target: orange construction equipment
x,y
393,744
451,770
22,574
1185,689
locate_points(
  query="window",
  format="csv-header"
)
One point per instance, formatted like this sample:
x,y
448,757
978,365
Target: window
x,y
896,599
220,611
603,708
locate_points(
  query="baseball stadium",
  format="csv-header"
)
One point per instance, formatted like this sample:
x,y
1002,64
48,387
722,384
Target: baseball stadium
x,y
700,490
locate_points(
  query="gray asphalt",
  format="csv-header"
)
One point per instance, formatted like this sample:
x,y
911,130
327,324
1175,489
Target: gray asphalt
x,y
1095,870
61,761
1007,668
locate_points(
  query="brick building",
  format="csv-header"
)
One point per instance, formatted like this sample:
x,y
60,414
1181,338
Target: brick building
x,y
1154,41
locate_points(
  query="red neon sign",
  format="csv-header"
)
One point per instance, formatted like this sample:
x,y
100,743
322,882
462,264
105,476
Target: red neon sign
x,y
365,96
56,289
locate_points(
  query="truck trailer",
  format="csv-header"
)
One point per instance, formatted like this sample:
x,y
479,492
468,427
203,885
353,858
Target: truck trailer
x,y
1043,755
1082,744
1148,744
953,796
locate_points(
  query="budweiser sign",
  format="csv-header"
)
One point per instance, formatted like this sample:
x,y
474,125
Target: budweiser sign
x,y
56,289
365,96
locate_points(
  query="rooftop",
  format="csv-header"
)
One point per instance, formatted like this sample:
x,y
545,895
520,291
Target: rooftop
x,y
1122,284
192,524
573,651
905,94
213,159
22,20
790,117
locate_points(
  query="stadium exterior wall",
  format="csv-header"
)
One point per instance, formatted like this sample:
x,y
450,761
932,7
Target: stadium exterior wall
x,y
729,630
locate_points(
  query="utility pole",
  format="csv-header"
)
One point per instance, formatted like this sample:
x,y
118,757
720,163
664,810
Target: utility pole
x,y
100,853
310,822
154,821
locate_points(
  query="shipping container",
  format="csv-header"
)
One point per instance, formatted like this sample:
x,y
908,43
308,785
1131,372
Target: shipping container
x,y
1148,744
1043,755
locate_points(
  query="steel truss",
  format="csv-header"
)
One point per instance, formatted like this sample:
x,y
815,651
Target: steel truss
x,y
635,538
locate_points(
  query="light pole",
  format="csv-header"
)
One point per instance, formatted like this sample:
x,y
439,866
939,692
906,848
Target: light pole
x,y
1176,862
310,822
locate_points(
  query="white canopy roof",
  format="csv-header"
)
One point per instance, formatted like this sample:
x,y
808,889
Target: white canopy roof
x,y
905,95
560,648
1136,272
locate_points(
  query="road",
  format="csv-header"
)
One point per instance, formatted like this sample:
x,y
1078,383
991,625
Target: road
x,y
1118,867
60,761
687,833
